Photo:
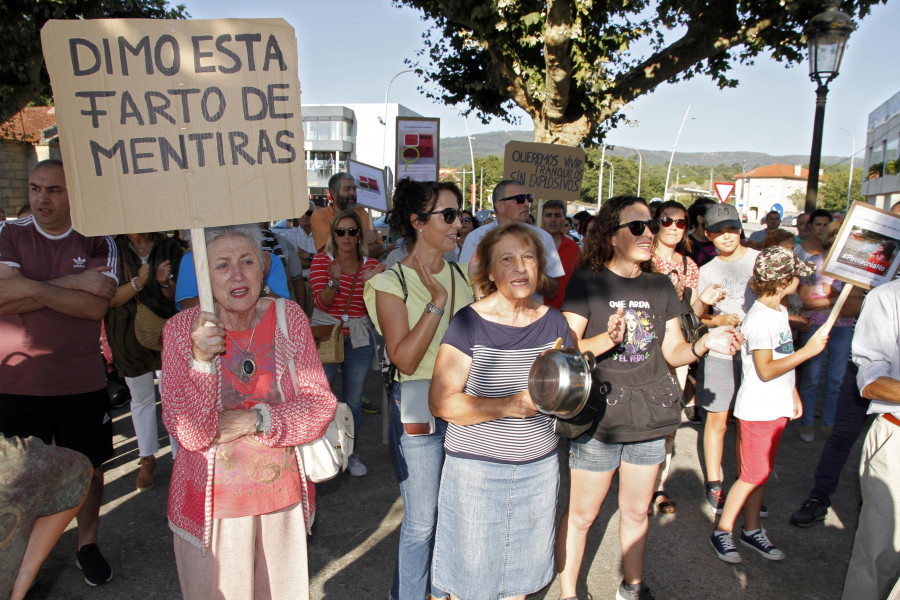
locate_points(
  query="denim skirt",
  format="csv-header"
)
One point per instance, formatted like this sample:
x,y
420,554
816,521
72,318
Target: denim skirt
x,y
496,528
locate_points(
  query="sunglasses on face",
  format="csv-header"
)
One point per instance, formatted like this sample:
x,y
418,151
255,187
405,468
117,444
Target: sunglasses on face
x,y
668,221
352,232
450,214
637,227
465,220
520,198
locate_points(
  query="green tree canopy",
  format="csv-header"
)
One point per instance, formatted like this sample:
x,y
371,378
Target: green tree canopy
x,y
23,77
574,65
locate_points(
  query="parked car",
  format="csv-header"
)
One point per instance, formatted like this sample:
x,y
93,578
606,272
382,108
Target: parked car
x,y
789,221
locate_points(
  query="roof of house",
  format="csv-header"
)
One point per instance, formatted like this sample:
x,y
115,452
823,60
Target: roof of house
x,y
775,172
27,124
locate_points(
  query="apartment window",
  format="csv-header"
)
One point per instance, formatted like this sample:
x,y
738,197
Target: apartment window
x,y
332,129
891,154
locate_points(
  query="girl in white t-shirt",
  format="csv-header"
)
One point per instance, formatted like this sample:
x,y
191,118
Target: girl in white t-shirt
x,y
766,399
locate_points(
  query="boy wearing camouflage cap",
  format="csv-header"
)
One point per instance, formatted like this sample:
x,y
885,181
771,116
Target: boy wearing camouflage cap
x,y
767,398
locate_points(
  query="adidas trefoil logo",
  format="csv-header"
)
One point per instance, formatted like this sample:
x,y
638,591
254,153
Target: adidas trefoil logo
x,y
79,262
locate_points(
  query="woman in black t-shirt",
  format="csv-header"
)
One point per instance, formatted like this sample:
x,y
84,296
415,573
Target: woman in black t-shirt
x,y
634,396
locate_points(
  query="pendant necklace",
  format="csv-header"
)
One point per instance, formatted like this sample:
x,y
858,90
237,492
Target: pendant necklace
x,y
248,365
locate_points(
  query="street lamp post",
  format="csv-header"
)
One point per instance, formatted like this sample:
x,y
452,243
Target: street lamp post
x,y
826,35
612,178
640,168
384,121
852,156
672,158
600,181
472,156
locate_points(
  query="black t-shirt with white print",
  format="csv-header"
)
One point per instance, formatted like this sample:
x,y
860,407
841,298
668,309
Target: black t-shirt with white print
x,y
649,301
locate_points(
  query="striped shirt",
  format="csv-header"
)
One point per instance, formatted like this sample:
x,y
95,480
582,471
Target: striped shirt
x,y
502,356
318,281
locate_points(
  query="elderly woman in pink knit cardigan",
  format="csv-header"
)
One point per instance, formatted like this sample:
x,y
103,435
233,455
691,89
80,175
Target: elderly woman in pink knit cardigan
x,y
240,505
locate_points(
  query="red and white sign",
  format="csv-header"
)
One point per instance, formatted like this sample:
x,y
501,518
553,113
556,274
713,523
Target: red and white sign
x,y
723,190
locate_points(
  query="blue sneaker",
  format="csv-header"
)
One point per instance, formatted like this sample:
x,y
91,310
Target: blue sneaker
x,y
723,543
759,541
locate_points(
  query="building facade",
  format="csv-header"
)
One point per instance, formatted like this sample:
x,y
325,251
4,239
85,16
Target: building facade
x,y
881,174
334,134
767,188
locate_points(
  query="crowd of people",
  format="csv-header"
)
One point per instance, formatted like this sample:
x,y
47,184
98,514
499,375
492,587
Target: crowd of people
x,y
688,319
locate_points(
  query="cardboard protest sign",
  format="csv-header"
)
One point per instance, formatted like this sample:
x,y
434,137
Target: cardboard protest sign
x,y
548,171
370,188
418,152
177,124
866,252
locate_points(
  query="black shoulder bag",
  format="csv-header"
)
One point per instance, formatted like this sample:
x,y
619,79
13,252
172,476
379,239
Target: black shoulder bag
x,y
691,326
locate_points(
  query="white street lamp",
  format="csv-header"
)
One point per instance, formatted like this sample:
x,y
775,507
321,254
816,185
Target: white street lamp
x,y
384,120
674,146
852,156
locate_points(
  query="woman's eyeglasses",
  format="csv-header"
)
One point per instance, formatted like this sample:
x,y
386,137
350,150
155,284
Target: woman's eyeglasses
x,y
465,220
669,221
637,227
450,214
352,232
520,198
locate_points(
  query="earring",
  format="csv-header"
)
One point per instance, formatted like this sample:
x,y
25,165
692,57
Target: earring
x,y
420,231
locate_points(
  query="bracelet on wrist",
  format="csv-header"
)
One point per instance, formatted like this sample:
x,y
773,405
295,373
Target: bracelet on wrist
x,y
694,349
432,308
168,282
135,285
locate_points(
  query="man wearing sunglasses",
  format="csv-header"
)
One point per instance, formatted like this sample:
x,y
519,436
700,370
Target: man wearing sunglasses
x,y
342,191
512,203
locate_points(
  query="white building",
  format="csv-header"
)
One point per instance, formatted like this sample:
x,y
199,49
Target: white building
x,y
334,134
881,175
758,191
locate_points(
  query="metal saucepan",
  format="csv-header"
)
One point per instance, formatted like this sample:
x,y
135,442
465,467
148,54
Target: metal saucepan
x,y
560,381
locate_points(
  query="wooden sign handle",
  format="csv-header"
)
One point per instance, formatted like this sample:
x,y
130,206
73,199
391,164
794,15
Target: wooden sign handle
x,y
201,268
825,329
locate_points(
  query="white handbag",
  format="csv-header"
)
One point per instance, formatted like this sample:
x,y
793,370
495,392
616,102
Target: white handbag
x,y
327,456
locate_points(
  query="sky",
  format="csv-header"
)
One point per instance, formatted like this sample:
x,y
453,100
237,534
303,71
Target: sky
x,y
350,49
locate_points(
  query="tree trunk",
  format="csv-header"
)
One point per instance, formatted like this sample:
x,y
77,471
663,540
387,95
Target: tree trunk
x,y
563,132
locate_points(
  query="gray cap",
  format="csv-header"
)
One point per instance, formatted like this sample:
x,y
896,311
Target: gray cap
x,y
718,216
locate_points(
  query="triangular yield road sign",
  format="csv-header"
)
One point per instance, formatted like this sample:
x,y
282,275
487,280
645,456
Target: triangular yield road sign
x,y
723,190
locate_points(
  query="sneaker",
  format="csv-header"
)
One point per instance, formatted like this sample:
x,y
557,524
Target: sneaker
x,y
723,543
356,468
144,480
810,511
763,511
122,398
807,433
638,591
368,407
716,498
759,541
96,569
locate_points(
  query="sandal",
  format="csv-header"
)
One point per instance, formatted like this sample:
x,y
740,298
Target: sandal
x,y
667,506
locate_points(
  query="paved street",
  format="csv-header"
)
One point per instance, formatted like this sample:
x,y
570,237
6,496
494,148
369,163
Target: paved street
x,y
351,554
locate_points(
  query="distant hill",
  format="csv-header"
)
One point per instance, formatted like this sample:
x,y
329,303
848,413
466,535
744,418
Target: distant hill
x,y
455,152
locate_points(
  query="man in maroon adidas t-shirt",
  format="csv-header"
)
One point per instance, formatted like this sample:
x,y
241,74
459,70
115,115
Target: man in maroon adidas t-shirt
x,y
55,287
